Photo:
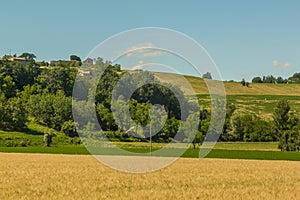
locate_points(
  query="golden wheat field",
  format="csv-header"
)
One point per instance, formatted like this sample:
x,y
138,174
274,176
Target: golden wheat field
x,y
43,176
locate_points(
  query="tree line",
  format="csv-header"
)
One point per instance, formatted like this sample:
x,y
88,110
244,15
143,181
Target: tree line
x,y
295,78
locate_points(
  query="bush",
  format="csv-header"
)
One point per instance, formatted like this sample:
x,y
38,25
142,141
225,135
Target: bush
x,y
76,141
48,136
10,143
69,128
289,141
24,142
257,80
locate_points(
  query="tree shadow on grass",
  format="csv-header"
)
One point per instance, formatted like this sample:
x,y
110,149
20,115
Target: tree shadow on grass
x,y
30,131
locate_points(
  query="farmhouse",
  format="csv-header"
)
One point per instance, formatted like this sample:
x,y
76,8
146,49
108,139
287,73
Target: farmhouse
x,y
88,61
85,72
13,58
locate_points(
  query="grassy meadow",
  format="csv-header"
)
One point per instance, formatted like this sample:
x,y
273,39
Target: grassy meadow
x,y
224,150
232,88
259,98
261,105
32,136
49,176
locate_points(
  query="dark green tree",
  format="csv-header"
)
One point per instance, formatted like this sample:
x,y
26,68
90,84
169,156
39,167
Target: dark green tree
x,y
13,115
59,78
28,57
74,57
237,128
51,110
48,136
279,80
207,75
69,129
270,79
257,80
7,86
281,115
243,82
289,141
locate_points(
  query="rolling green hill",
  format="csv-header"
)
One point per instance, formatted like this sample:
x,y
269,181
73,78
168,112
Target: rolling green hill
x,y
232,88
259,98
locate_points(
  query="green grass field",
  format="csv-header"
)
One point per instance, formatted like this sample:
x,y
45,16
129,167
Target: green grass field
x,y
12,142
261,105
71,149
32,136
259,98
190,153
232,88
258,146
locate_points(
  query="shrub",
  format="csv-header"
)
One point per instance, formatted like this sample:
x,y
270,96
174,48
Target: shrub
x,y
76,141
289,141
48,138
69,128
10,143
23,143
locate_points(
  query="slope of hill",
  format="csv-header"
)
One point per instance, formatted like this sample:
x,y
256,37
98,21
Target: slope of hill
x,y
259,98
232,88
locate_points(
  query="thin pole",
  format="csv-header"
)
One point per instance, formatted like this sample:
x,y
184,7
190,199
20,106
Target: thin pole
x,y
150,142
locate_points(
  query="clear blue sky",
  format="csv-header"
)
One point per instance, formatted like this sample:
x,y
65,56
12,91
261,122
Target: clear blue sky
x,y
243,37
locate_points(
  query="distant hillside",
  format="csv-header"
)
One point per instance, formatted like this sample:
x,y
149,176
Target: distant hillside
x,y
259,98
233,88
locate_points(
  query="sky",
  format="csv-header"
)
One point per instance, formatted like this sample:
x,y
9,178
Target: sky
x,y
244,38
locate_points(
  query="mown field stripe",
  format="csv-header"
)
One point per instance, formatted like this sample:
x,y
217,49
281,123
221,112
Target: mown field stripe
x,y
190,153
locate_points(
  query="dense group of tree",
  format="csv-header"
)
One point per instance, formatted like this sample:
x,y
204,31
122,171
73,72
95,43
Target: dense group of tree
x,y
42,92
278,80
283,127
29,91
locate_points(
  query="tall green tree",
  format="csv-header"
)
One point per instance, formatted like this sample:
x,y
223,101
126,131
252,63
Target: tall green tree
x,y
7,86
257,80
58,78
158,118
289,141
13,115
30,57
191,133
281,115
237,128
285,124
51,110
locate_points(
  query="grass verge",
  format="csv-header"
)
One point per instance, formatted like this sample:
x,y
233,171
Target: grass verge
x,y
190,153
